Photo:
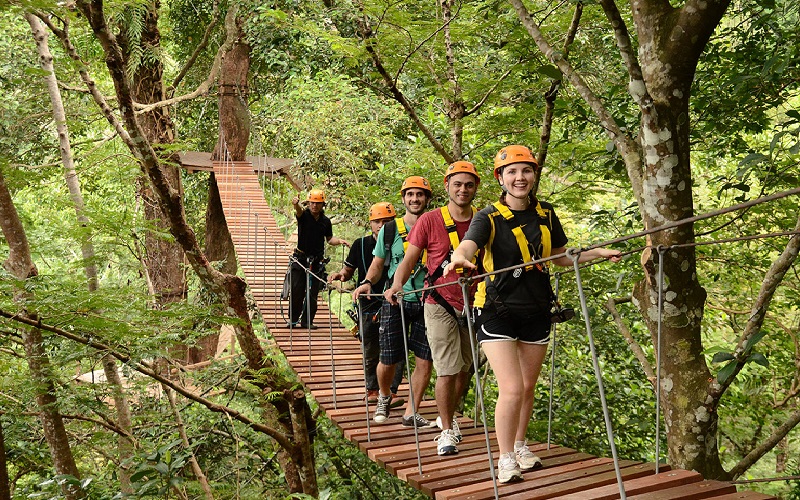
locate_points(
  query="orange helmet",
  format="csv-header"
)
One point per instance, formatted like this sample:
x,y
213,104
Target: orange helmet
x,y
461,166
382,210
513,154
415,181
316,195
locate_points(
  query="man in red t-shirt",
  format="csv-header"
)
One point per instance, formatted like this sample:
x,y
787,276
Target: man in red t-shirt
x,y
439,232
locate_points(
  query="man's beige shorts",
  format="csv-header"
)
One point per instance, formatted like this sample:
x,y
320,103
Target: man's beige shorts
x,y
448,340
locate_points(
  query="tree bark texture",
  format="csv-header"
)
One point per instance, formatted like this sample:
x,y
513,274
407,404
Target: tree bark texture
x,y
5,484
670,43
658,165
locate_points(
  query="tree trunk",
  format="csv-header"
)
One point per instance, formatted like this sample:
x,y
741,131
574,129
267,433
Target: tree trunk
x,y
230,288
668,64
21,267
87,248
234,135
163,259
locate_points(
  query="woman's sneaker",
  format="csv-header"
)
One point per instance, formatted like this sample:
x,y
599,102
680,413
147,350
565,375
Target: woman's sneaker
x,y
526,459
382,410
508,469
446,443
453,426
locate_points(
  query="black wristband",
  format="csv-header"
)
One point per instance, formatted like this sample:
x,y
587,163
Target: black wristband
x,y
366,282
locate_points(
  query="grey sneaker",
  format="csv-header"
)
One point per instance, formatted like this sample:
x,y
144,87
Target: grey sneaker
x,y
382,410
526,459
508,469
453,426
446,443
422,422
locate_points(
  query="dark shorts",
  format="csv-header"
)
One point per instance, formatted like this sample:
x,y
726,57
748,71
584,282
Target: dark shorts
x,y
393,349
490,327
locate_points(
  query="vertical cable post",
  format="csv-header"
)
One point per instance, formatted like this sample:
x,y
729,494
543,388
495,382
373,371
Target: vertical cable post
x,y
364,365
661,250
574,255
553,328
308,313
333,360
414,409
478,389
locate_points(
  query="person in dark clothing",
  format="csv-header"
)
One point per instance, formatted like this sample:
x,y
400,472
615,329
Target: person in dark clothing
x,y
358,261
313,229
512,309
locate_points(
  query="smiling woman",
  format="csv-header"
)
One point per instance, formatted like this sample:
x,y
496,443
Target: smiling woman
x,y
512,310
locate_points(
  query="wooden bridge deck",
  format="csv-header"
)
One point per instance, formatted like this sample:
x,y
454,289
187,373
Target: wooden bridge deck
x,y
566,473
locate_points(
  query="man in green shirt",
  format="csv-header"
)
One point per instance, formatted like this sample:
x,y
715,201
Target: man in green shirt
x,y
389,252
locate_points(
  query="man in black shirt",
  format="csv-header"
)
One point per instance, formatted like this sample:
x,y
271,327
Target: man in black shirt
x,y
359,259
313,229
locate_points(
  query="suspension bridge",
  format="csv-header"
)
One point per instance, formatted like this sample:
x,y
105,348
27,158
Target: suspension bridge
x,y
329,362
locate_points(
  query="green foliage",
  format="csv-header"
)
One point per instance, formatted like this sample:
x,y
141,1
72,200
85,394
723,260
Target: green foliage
x,y
316,97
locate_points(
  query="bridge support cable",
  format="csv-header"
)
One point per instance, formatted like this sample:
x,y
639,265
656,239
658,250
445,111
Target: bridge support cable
x,y
553,329
574,255
414,408
661,249
361,330
333,360
473,344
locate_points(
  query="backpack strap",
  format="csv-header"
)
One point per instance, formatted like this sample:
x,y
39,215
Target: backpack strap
x,y
545,228
522,242
450,225
403,232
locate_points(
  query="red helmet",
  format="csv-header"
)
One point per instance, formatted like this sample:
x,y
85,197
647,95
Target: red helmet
x,y
513,154
416,181
459,167
382,210
316,195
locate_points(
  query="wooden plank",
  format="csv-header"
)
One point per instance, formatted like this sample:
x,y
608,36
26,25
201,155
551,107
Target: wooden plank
x,y
548,475
698,490
446,469
638,486
743,495
588,482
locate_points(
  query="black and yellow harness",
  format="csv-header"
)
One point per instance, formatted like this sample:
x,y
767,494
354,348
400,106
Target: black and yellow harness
x,y
526,250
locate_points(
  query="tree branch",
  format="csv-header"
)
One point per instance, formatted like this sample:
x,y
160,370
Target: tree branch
x,y
144,369
769,285
626,146
768,444
623,39
550,99
204,86
197,50
369,44
611,306
99,99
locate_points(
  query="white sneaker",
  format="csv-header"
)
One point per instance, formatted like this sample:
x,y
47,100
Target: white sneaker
x,y
508,469
526,459
446,443
453,426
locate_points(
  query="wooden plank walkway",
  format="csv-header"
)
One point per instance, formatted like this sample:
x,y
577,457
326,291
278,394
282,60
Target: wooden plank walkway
x,y
331,353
